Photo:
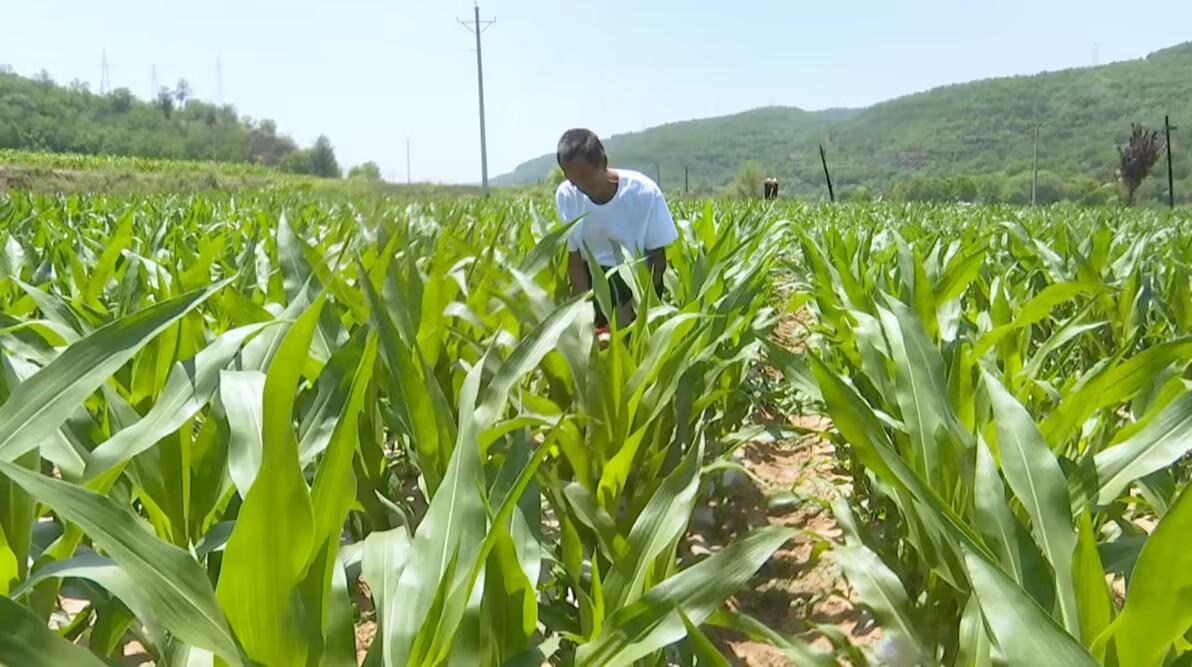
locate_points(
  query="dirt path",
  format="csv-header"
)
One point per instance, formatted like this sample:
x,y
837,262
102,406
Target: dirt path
x,y
801,587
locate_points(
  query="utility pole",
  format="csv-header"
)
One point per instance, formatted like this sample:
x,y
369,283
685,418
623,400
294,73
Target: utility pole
x,y
1035,171
827,176
105,74
409,179
686,181
1170,171
477,26
153,83
658,174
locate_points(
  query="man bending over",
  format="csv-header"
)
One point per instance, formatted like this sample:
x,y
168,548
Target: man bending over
x,y
619,206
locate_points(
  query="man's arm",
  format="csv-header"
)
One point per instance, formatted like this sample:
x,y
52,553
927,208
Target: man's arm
x,y
577,270
656,260
660,232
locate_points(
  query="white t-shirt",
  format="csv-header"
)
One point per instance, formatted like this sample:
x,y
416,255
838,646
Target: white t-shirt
x,y
636,217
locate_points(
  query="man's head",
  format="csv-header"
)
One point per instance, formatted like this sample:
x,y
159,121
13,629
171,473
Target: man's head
x,y
584,162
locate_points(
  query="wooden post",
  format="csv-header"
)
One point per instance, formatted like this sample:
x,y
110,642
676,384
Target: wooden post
x,y
827,175
1035,170
1170,170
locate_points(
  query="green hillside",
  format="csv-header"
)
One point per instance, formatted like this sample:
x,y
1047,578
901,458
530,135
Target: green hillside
x,y
39,115
966,141
712,149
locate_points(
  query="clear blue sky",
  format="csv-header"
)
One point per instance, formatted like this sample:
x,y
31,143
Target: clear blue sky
x,y
370,73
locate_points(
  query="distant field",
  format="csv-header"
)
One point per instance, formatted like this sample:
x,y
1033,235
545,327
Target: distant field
x,y
74,173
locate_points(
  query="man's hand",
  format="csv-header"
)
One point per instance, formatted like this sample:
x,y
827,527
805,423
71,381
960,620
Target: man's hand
x,y
577,270
656,260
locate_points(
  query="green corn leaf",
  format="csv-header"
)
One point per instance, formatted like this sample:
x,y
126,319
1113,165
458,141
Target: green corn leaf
x,y
108,575
452,531
258,583
26,641
921,391
169,579
339,630
659,525
878,586
332,391
55,309
190,386
1092,594
651,623
524,358
702,648
9,571
18,513
862,429
1036,310
796,650
49,397
994,518
334,487
114,245
974,647
240,396
587,511
1113,385
1023,630
1035,477
1160,443
410,392
1158,607
459,613
386,554
959,275
296,273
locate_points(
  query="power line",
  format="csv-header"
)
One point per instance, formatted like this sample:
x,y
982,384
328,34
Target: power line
x,y
476,27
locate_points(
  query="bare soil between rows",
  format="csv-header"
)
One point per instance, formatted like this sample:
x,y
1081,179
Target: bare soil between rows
x,y
799,586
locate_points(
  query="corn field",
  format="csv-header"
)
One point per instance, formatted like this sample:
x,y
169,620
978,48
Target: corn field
x,y
1011,394
235,428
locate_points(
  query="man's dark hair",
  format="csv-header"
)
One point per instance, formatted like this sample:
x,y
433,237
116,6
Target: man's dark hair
x,y
580,144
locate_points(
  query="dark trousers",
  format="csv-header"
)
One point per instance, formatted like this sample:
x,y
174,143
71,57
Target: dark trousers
x,y
617,288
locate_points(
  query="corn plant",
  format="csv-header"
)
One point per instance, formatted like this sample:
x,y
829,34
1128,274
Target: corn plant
x,y
221,417
1010,391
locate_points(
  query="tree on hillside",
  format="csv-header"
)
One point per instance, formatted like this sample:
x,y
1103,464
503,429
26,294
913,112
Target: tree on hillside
x,y
322,159
296,162
369,171
1138,156
121,100
266,146
748,182
182,92
165,101
50,117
